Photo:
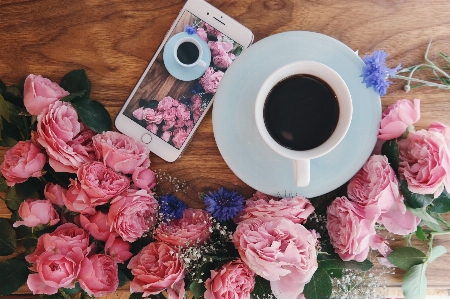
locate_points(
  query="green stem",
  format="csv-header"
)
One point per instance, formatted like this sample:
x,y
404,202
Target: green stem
x,y
427,83
431,237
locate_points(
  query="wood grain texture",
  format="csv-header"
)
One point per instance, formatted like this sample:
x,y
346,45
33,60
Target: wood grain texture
x,y
114,41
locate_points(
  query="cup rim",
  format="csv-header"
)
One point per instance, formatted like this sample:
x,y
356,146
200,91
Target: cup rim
x,y
333,79
195,42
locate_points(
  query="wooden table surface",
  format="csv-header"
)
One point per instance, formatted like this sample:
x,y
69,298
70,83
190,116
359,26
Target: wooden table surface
x,y
114,40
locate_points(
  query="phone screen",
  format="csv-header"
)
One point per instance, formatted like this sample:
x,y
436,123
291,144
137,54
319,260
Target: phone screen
x,y
183,79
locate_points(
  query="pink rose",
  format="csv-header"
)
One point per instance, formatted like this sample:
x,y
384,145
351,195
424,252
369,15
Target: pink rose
x,y
196,101
65,139
118,249
210,80
179,137
213,31
397,117
35,212
168,124
121,153
166,136
55,193
296,209
222,61
280,251
375,184
220,48
139,113
192,229
97,226
39,93
202,33
424,162
101,183
152,128
99,275
167,102
441,128
155,268
183,112
144,178
234,280
351,228
76,199
132,214
399,220
22,161
152,116
170,114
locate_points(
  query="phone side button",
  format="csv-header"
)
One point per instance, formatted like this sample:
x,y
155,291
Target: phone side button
x,y
146,138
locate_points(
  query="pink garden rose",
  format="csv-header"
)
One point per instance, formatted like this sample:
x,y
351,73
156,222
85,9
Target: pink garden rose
x,y
192,229
170,114
399,220
441,128
39,93
66,140
101,183
35,212
296,209
397,117
139,113
166,136
120,152
202,33
375,184
152,128
22,161
76,199
118,249
144,178
183,112
132,214
280,251
210,80
167,103
425,162
97,226
234,280
55,193
99,275
179,137
155,268
222,61
213,31
351,228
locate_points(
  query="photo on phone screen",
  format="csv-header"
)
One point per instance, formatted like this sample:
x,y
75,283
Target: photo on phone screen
x,y
183,79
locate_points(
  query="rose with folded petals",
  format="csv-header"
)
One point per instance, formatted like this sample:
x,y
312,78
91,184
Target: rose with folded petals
x,y
399,220
397,118
213,31
223,61
152,116
65,139
118,250
179,137
121,153
220,48
351,228
234,280
55,193
22,161
99,275
375,184
39,93
155,268
76,199
35,212
170,114
132,214
167,103
210,80
425,162
296,209
139,113
144,178
97,226
202,33
152,128
280,251
166,136
441,128
183,112
192,229
101,183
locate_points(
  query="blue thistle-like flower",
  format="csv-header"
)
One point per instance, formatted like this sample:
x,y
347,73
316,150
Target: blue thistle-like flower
x,y
223,204
196,88
376,73
190,30
171,207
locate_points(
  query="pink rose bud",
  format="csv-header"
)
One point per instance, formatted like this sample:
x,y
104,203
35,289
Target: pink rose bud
x,y
144,178
397,118
76,199
22,161
118,249
55,193
210,80
39,93
99,275
97,226
35,212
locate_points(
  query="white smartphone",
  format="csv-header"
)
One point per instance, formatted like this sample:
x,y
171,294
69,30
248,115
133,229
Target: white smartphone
x,y
177,88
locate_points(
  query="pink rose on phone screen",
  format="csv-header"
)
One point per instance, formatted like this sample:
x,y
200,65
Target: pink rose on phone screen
x,y
99,275
222,61
152,128
167,103
179,137
22,161
55,193
152,116
183,112
35,212
210,80
168,125
202,33
139,113
170,114
121,153
397,117
213,31
144,178
425,162
39,93
166,136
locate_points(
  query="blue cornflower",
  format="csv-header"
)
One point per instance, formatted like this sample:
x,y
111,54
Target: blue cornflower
x,y
196,88
171,207
223,204
190,30
376,73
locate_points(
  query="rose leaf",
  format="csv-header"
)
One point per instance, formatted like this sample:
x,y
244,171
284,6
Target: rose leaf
x,y
441,204
262,288
320,286
74,290
197,286
7,238
75,81
415,200
437,252
3,185
390,150
406,257
414,282
12,200
420,234
93,114
14,274
2,87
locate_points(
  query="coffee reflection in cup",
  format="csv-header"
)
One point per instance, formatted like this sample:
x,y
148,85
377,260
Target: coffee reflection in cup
x,y
188,52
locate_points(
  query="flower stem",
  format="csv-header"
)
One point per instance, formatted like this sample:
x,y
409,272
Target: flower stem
x,y
427,83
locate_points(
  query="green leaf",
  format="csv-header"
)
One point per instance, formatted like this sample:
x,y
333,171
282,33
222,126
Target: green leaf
x,y
406,257
237,51
7,238
76,81
14,95
320,286
10,133
262,288
3,185
73,96
2,87
30,245
31,188
420,234
422,214
414,283
93,114
336,273
14,274
415,200
390,150
197,286
136,296
122,279
333,261
441,204
74,290
436,252
12,200
11,113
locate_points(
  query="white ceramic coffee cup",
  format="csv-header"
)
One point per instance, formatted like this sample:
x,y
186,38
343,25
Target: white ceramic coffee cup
x,y
192,40
301,159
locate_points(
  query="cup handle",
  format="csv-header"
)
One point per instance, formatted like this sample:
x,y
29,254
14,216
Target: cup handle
x,y
201,63
301,172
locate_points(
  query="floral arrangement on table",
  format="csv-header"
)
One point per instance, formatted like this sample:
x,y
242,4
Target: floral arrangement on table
x,y
86,217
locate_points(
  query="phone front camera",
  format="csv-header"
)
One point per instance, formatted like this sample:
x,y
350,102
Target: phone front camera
x,y
207,13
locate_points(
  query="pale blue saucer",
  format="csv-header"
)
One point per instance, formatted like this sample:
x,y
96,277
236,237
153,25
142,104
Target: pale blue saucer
x,y
235,130
181,72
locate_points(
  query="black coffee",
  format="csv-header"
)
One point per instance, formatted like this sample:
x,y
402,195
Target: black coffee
x,y
301,112
187,53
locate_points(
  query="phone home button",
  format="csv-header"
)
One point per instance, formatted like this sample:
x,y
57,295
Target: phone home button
x,y
146,138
